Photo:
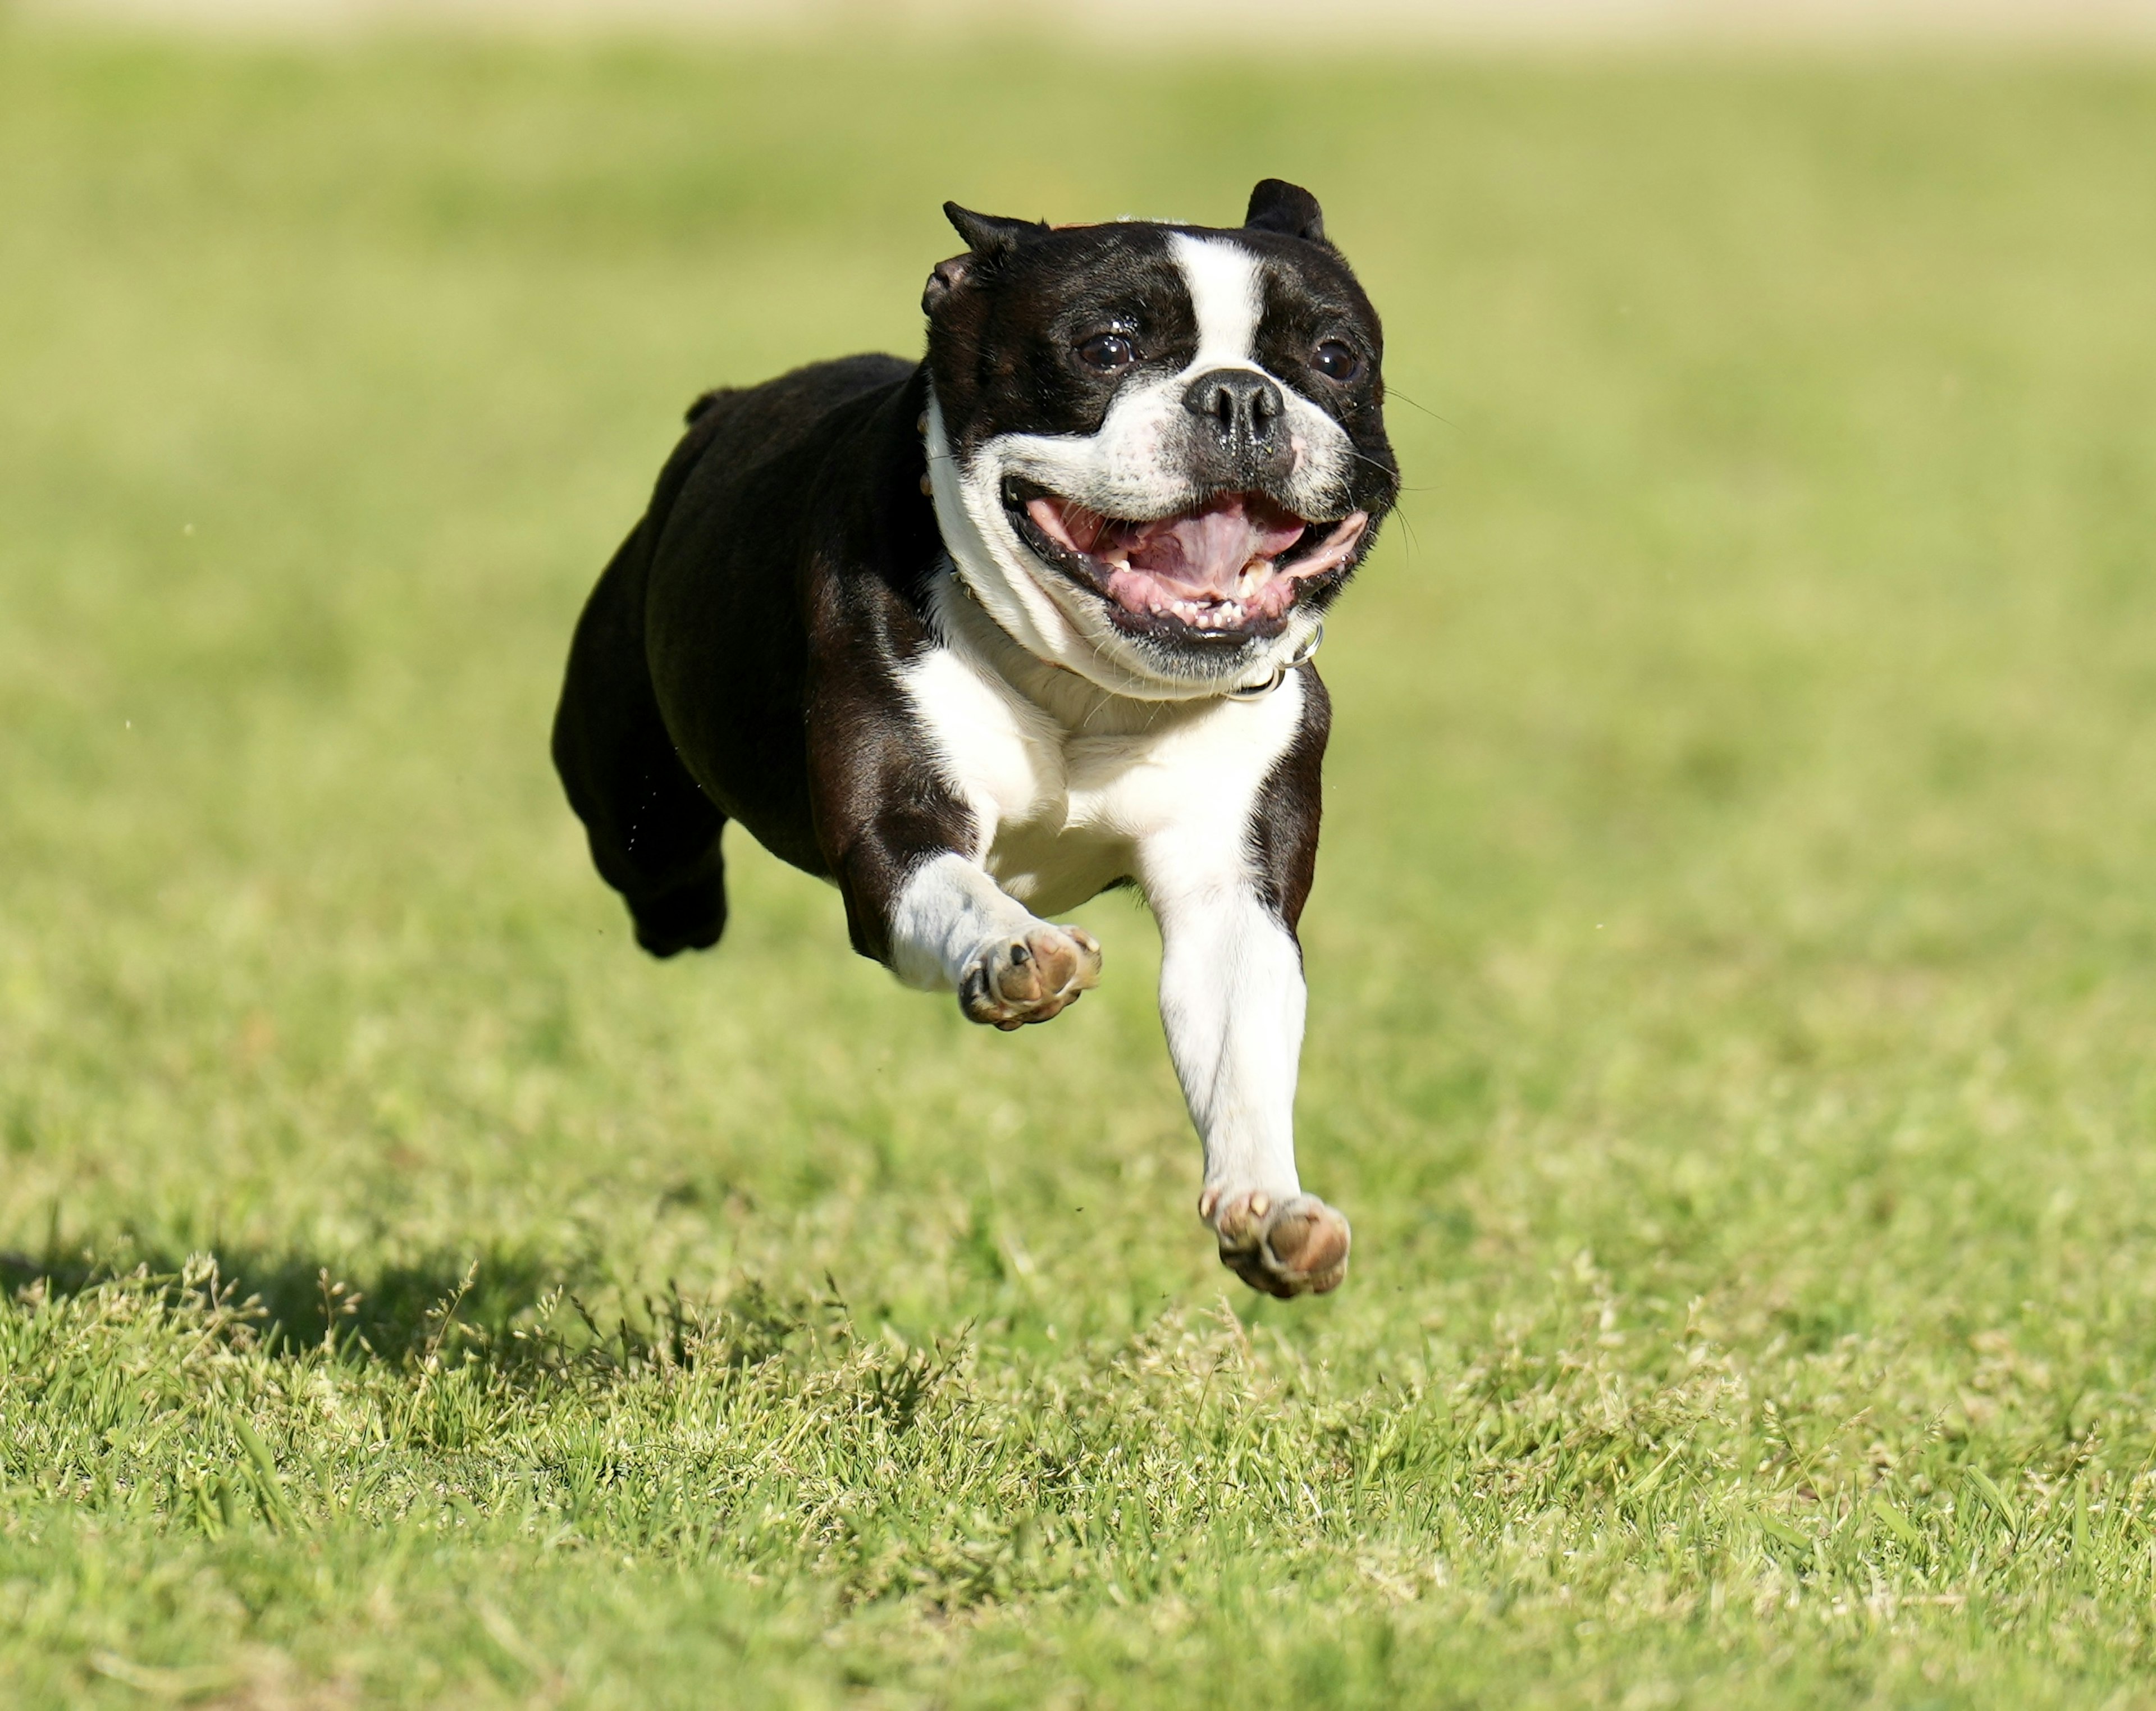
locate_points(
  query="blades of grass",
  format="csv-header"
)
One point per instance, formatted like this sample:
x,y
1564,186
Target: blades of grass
x,y
1897,1523
276,1507
2082,1563
1646,1484
1982,1484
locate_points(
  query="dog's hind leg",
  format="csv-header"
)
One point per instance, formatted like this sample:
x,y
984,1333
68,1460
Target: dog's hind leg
x,y
654,834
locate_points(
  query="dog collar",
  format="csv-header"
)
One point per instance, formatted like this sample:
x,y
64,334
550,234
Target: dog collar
x,y
1259,691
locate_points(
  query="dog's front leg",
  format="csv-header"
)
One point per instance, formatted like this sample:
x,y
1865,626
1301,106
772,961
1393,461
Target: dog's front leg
x,y
1231,1001
905,842
933,915
952,928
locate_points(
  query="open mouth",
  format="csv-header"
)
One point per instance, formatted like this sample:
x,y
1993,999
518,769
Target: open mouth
x,y
1229,570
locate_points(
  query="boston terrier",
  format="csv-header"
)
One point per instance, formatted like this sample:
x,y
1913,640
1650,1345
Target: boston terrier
x,y
979,637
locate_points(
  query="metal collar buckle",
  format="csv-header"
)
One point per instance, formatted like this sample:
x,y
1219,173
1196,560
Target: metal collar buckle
x,y
1259,691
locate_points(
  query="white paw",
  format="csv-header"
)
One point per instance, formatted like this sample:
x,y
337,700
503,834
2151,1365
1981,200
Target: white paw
x,y
1295,1246
1013,981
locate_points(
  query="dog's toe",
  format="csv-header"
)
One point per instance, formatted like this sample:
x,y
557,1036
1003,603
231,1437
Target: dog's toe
x,y
1284,1247
1015,981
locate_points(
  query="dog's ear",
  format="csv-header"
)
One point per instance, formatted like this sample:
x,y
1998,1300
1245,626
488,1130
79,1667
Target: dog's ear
x,y
1278,206
989,235
989,238
943,278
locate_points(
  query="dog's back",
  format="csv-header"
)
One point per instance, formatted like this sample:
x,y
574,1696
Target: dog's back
x,y
654,830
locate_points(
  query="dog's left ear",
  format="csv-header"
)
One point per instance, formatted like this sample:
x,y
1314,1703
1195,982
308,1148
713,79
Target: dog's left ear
x,y
989,238
943,278
1278,206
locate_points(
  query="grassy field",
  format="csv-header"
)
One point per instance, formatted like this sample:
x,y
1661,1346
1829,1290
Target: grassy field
x,y
1733,965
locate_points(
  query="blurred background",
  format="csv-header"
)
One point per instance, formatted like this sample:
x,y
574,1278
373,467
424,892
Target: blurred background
x,y
1557,23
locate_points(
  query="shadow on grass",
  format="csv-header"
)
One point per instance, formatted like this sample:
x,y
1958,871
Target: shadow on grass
x,y
506,1309
298,1299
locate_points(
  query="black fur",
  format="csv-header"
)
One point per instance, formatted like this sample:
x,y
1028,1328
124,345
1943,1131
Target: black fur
x,y
1283,830
738,659
1278,206
789,509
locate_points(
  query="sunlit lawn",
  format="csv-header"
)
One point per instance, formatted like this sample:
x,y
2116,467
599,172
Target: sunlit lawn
x,y
1732,966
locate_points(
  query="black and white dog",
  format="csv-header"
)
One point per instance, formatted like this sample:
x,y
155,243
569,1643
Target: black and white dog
x,y
977,638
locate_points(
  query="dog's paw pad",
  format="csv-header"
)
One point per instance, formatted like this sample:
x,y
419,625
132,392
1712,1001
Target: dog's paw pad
x,y
1015,981
1284,1247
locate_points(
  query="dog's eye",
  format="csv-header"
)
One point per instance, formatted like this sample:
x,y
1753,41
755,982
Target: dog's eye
x,y
1107,351
1335,361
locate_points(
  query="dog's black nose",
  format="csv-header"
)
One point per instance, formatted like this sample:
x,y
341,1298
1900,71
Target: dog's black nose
x,y
1241,407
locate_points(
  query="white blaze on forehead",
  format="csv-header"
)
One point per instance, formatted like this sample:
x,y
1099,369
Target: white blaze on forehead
x,y
1222,280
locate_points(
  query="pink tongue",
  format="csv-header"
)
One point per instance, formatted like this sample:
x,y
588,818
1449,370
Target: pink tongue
x,y
1204,552
1208,551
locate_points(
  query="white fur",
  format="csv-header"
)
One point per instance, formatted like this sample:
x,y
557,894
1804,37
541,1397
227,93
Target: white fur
x,y
949,912
1125,470
1071,788
1231,1003
1226,293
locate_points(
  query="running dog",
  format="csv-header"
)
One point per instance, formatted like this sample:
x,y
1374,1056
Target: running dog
x,y
978,637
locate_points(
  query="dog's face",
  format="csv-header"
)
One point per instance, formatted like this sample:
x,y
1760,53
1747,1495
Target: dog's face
x,y
1158,451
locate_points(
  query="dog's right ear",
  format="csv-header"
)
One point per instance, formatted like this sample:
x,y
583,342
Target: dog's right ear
x,y
989,238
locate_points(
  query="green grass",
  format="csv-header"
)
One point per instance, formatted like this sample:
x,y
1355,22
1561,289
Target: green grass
x,y
1732,966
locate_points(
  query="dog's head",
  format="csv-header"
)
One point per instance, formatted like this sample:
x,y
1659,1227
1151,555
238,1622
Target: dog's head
x,y
1158,451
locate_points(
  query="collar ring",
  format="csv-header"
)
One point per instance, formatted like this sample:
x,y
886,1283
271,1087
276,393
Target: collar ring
x,y
1259,691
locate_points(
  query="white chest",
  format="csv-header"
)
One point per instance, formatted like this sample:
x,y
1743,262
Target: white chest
x,y
1073,789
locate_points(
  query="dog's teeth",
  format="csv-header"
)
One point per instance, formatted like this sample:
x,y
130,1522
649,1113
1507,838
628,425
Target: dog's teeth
x,y
1208,614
